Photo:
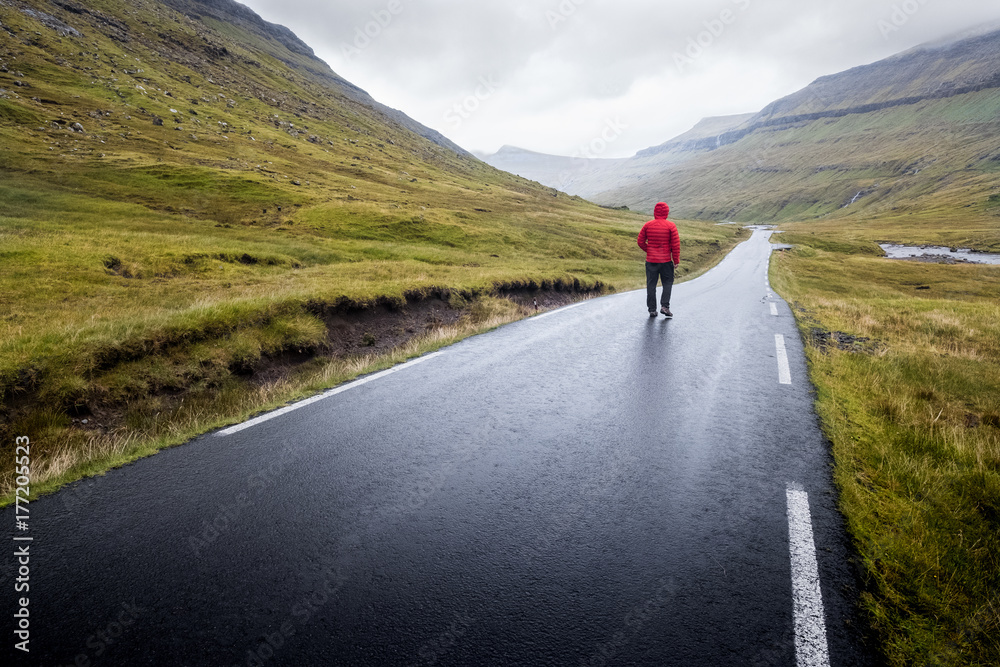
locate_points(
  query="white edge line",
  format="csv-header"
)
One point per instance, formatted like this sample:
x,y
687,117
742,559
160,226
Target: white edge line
x,y
811,648
784,372
326,394
558,310
774,309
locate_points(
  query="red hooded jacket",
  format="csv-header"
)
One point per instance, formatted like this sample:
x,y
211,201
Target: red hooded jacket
x,y
659,238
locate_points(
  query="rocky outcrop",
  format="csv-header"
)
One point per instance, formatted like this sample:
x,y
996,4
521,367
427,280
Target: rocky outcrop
x,y
288,48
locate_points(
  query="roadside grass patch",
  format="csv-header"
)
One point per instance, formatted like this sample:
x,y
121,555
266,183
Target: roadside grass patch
x,y
912,423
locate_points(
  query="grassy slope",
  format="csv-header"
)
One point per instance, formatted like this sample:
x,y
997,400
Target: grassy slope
x,y
899,159
145,263
914,417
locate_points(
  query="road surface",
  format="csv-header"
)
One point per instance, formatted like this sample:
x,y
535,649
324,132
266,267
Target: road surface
x,y
585,487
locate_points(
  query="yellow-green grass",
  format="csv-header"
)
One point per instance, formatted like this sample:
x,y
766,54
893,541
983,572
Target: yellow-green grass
x,y
61,454
946,223
913,413
115,308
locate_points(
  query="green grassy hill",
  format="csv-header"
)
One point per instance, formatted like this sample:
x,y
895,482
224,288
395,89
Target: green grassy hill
x,y
915,131
199,219
936,153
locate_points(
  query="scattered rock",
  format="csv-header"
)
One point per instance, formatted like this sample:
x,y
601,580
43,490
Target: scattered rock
x,y
928,258
53,23
76,127
824,340
157,121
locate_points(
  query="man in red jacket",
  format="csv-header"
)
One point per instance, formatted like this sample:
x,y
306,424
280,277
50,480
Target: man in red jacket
x,y
662,243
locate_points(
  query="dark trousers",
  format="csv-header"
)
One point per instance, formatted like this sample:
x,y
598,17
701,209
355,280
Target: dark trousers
x,y
662,272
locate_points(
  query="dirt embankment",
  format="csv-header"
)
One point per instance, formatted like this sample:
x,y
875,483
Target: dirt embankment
x,y
354,330
378,328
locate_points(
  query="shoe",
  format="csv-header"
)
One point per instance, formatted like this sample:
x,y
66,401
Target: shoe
x,y
652,313
666,312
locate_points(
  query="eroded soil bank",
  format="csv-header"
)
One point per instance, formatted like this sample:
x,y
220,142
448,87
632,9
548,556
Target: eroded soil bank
x,y
383,326
132,407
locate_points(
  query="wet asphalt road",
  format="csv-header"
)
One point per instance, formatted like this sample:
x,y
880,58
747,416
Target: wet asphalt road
x,y
588,487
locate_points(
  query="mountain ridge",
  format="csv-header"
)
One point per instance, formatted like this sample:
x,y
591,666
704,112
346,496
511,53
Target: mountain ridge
x,y
235,13
875,137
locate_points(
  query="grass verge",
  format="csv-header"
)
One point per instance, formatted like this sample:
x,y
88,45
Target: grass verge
x,y
140,376
63,452
906,361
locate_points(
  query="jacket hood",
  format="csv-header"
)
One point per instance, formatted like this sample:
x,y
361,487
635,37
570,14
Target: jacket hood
x,y
661,211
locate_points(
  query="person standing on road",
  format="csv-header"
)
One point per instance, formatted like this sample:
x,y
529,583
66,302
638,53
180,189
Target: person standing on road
x,y
662,243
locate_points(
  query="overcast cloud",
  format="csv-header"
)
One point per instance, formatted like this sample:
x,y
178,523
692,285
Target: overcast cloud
x,y
552,75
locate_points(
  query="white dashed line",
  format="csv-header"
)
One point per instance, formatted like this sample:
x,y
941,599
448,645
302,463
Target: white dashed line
x,y
326,394
774,309
784,372
807,599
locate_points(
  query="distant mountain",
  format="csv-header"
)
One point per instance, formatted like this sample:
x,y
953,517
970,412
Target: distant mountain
x,y
590,177
919,128
706,135
575,176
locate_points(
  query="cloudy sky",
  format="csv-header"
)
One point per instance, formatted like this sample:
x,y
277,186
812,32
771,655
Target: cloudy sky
x,y
553,75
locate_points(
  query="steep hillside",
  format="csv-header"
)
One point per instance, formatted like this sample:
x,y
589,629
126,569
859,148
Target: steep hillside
x,y
965,64
283,45
199,113
916,130
706,135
